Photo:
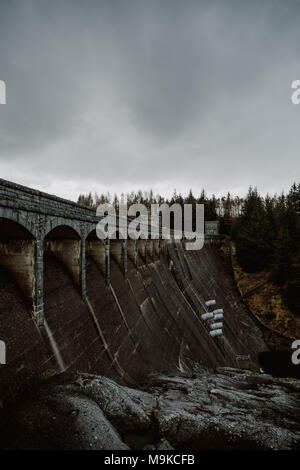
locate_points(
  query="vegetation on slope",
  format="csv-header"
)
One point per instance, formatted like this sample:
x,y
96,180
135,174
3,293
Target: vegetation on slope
x,y
267,238
266,258
266,299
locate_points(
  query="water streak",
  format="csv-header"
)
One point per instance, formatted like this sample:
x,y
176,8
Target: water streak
x,y
54,347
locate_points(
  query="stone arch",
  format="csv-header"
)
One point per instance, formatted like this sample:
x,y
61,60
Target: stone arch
x,y
91,234
65,231
65,243
17,254
14,220
13,229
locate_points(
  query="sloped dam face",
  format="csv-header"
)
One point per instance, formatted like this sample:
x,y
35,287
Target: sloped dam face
x,y
150,321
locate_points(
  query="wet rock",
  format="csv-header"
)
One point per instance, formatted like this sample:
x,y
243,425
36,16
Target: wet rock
x,y
226,409
50,423
231,409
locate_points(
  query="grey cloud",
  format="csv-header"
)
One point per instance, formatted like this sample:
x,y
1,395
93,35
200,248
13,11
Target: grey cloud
x,y
150,93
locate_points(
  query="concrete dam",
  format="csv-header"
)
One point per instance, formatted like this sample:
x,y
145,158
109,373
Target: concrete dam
x,y
108,346
124,308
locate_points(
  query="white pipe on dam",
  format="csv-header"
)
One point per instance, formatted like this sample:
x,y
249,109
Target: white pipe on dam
x,y
216,326
215,332
207,316
208,303
218,316
218,310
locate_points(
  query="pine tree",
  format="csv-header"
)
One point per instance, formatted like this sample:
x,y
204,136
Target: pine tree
x,y
252,234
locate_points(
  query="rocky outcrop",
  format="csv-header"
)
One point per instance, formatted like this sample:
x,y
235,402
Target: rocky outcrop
x,y
223,409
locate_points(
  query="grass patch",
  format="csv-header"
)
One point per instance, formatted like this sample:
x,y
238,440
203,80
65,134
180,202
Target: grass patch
x,y
267,302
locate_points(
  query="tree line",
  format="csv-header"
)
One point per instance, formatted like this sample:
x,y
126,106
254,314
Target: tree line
x,y
214,206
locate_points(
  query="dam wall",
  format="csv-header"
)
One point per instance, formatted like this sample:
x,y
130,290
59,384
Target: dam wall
x,y
135,308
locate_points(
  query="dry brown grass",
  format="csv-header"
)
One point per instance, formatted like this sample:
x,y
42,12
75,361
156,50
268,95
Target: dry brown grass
x,y
267,303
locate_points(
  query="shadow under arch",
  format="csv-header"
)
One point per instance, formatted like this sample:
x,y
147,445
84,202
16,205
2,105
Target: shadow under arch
x,y
97,250
64,243
13,230
62,232
118,251
17,255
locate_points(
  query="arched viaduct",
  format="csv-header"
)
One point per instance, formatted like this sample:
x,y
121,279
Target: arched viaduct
x,y
120,308
33,223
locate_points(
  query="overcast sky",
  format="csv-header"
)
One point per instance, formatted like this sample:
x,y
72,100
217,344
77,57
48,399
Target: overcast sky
x,y
120,95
